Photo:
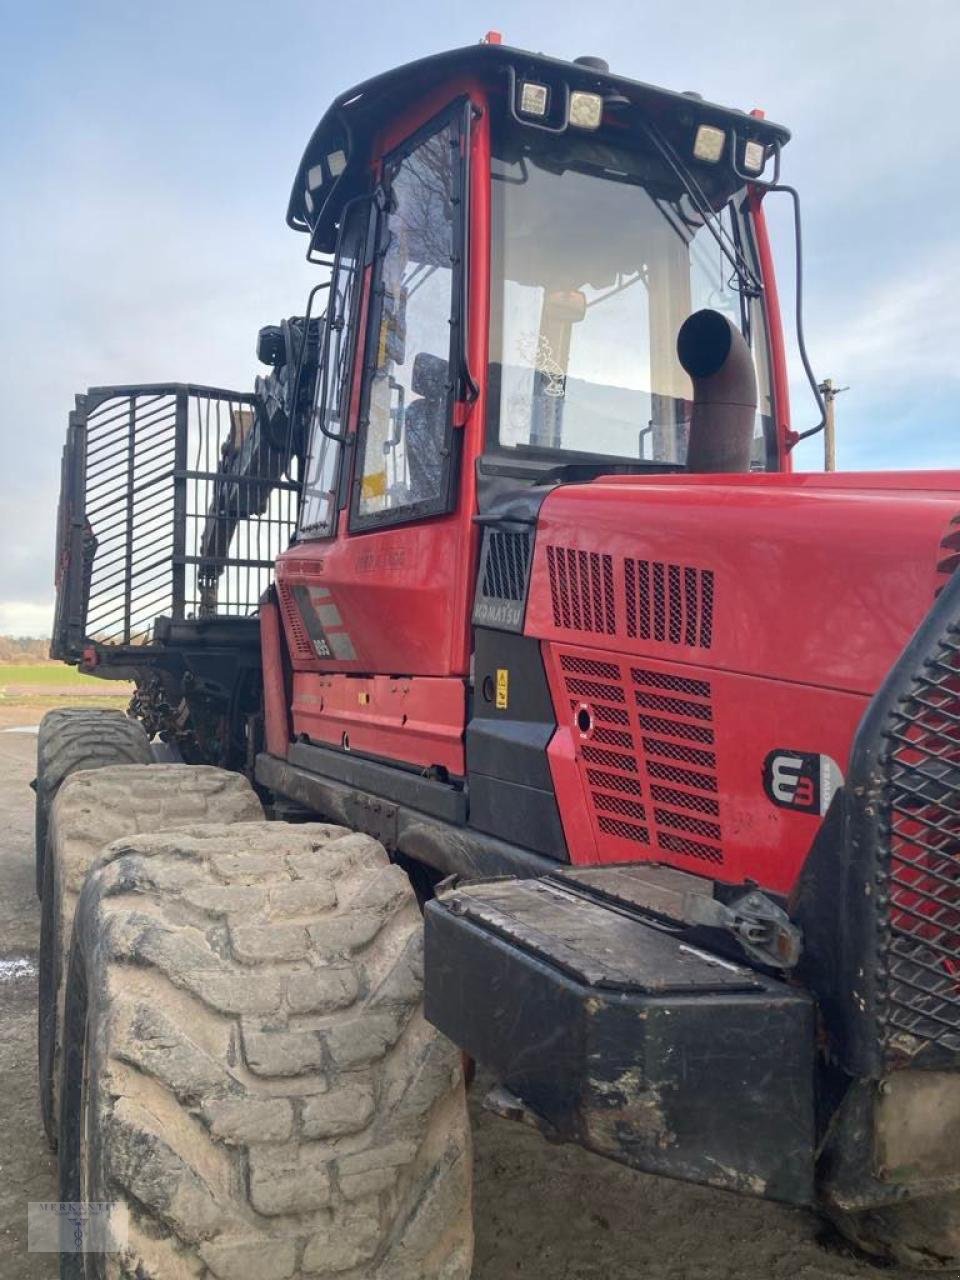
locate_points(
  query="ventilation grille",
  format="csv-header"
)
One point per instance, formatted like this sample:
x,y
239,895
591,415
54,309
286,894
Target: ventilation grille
x,y
648,761
505,569
296,631
581,590
669,603
949,554
921,946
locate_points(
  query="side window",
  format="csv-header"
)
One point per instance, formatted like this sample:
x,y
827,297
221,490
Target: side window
x,y
321,475
403,468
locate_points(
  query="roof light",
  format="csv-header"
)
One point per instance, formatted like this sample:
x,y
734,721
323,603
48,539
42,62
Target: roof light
x,y
534,98
754,157
709,143
586,110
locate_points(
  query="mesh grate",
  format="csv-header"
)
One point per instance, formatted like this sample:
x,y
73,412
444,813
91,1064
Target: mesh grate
x,y
294,621
684,818
921,946
669,603
614,781
623,830
581,590
507,561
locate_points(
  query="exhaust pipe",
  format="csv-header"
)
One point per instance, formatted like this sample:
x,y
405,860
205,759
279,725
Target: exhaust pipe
x,y
714,353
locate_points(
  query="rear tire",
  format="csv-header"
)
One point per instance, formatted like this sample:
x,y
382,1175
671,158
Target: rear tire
x,y
72,738
92,809
245,1038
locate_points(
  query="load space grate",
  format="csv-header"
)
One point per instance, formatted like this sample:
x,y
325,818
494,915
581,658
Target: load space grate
x,y
920,933
669,603
645,743
172,505
581,590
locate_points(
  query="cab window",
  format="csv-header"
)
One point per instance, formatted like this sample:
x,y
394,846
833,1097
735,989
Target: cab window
x,y
404,466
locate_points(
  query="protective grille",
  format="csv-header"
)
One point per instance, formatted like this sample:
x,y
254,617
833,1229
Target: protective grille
x,y
159,527
920,943
507,561
295,627
669,603
660,791
581,590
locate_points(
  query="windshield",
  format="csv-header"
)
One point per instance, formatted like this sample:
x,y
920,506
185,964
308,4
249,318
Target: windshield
x,y
598,259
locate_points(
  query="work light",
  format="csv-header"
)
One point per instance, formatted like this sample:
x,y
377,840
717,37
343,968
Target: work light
x,y
534,98
586,110
709,143
754,156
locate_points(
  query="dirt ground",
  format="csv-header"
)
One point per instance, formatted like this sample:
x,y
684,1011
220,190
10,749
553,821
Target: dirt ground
x,y
542,1212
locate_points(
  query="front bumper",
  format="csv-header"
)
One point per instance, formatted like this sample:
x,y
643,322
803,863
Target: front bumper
x,y
625,1038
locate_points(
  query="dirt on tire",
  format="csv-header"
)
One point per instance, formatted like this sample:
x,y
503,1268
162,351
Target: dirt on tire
x,y
244,1018
91,809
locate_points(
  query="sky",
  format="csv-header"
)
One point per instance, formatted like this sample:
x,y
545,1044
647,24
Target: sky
x,y
148,150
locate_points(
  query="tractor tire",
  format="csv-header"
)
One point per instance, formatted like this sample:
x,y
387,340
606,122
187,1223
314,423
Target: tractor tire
x,y
91,809
72,738
248,1071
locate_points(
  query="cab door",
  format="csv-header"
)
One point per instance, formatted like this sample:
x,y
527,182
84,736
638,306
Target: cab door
x,y
383,653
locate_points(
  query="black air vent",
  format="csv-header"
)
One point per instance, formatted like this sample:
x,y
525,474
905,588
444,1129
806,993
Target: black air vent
x,y
502,581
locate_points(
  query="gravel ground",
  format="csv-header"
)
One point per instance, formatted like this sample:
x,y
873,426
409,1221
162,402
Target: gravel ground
x,y
543,1212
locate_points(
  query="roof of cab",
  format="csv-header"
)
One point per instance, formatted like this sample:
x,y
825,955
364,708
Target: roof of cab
x,y
358,113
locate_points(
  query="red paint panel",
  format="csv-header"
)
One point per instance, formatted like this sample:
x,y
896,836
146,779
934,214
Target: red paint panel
x,y
817,581
417,721
669,764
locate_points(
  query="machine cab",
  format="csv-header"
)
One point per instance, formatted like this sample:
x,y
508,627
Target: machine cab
x,y
513,252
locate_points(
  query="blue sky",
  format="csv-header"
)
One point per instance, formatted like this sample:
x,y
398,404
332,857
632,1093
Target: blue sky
x,y
148,151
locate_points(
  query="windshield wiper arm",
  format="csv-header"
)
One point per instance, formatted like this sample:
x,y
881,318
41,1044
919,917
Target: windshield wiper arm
x,y
749,281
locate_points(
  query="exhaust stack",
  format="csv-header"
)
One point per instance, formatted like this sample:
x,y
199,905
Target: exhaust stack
x,y
714,353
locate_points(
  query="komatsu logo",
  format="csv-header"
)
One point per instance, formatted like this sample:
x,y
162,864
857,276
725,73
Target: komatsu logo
x,y
801,780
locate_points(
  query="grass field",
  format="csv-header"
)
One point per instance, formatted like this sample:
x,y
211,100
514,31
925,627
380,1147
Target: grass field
x,y
31,688
58,674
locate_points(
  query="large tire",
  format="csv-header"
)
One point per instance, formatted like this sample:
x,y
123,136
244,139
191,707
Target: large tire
x,y
72,738
247,1065
90,810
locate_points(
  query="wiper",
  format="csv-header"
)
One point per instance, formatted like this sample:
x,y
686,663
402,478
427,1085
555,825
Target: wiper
x,y
749,282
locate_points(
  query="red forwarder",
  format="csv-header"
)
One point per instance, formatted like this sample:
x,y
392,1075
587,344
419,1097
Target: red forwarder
x,y
503,565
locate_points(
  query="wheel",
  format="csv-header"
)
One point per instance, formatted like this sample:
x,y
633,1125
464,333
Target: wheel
x,y
888,1169
247,1068
90,810
72,738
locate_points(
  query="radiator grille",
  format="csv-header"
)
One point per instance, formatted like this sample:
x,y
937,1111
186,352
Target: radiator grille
x,y
581,590
669,603
647,782
921,943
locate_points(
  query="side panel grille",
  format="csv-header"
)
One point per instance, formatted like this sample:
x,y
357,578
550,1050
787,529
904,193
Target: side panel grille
x,y
582,591
658,791
505,570
296,630
502,580
922,766
669,603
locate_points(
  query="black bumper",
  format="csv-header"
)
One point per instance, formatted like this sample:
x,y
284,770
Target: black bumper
x,y
626,1039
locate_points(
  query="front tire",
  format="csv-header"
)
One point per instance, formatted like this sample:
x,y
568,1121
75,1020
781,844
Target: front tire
x,y
263,1093
90,810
